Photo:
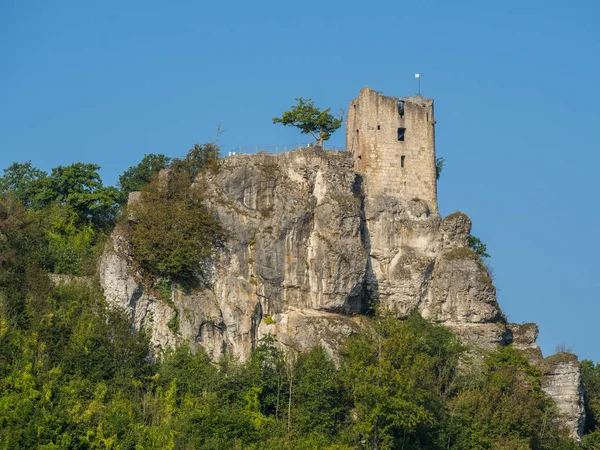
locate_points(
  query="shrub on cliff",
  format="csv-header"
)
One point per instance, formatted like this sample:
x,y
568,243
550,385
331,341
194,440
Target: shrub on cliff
x,y
136,177
173,231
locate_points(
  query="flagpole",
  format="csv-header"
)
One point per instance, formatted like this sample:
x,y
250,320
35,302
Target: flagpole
x,y
419,75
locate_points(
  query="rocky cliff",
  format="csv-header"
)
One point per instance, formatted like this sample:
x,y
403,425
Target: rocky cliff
x,y
309,252
562,382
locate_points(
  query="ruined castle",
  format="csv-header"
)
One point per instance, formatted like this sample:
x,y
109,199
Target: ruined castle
x,y
392,141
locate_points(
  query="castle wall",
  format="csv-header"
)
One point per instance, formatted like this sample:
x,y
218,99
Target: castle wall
x,y
396,168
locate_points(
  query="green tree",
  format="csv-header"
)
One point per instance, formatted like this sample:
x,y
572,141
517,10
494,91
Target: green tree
x,y
501,405
79,187
23,180
22,243
478,247
70,245
310,120
398,376
136,177
591,387
199,158
321,404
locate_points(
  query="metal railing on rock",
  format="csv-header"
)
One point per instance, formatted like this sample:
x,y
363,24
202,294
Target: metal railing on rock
x,y
251,149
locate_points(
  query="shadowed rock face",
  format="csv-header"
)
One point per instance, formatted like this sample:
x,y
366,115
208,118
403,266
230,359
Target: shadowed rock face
x,y
309,253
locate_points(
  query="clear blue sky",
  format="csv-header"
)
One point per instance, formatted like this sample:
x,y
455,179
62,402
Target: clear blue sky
x,y
515,85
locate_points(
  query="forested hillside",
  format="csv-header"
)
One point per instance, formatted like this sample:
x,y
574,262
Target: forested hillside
x,y
74,374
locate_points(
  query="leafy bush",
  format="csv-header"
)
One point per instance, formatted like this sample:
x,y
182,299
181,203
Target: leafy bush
x,y
398,376
70,247
199,158
173,232
173,322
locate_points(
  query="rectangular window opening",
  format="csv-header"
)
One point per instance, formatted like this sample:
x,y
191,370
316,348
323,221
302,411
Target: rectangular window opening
x,y
402,160
401,133
401,108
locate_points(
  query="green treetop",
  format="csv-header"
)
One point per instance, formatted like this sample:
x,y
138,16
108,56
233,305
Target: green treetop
x,y
310,120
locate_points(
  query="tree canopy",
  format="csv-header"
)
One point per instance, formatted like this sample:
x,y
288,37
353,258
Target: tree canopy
x,y
136,177
310,120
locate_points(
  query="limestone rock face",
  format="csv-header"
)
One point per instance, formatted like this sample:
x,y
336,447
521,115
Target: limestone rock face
x,y
562,382
524,338
455,230
308,250
295,255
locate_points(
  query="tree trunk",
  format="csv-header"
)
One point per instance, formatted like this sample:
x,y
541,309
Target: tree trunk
x,y
289,424
320,140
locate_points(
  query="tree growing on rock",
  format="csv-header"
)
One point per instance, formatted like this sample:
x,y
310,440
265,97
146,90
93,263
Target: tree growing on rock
x,y
311,120
136,177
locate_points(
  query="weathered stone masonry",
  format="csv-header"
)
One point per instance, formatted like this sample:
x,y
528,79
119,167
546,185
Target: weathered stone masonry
x,y
393,143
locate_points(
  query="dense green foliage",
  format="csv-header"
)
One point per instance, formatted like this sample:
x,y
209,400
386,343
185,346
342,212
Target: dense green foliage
x,y
71,209
75,375
199,158
591,385
310,120
172,232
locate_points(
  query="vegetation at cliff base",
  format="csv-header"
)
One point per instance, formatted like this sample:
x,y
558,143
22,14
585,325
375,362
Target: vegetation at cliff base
x,y
75,375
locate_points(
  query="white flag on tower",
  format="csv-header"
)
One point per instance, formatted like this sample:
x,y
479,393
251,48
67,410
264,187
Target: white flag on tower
x,y
417,75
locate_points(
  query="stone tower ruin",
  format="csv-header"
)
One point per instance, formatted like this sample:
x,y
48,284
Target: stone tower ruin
x,y
392,141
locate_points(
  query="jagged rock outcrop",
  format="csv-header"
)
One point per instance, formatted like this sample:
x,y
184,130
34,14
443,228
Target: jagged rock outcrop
x,y
562,381
524,338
